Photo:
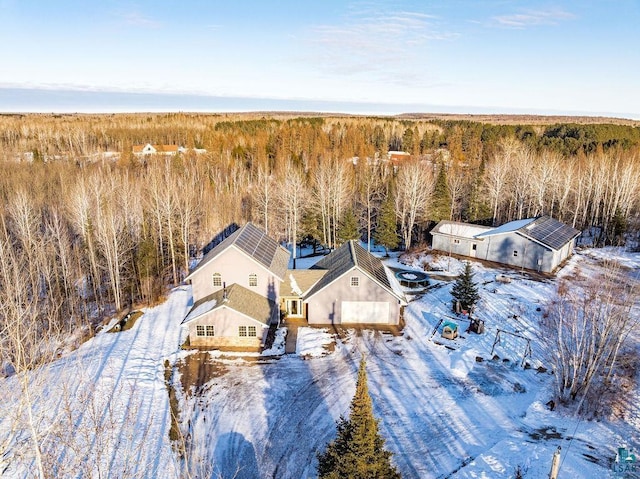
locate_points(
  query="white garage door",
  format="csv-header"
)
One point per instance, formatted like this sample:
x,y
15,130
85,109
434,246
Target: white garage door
x,y
365,312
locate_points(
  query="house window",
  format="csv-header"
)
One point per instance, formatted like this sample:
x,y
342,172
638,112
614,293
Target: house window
x,y
456,241
211,331
217,280
253,279
355,281
515,253
252,331
199,330
242,331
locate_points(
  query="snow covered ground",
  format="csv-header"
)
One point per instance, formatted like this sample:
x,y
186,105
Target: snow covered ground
x,y
443,413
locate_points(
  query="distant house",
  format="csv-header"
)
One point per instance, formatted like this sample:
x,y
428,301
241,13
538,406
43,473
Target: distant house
x,y
398,157
250,267
350,286
539,244
149,149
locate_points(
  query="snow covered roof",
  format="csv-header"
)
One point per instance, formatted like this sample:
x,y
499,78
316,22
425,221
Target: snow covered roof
x,y
238,298
507,227
463,230
255,243
301,280
346,257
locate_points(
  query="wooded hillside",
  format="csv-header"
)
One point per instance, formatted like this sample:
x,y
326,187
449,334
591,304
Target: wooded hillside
x,y
88,226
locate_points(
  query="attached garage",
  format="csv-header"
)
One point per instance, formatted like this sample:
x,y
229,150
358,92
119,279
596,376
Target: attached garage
x,y
355,288
370,312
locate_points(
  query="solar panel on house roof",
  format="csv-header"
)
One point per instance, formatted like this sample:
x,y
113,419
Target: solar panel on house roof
x,y
256,244
265,250
371,265
550,232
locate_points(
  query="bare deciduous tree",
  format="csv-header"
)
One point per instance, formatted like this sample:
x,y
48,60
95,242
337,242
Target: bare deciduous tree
x,y
414,187
586,326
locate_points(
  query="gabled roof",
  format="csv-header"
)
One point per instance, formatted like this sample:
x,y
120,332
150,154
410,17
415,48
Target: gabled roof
x,y
509,227
257,245
239,299
550,232
545,230
346,257
156,148
301,280
463,230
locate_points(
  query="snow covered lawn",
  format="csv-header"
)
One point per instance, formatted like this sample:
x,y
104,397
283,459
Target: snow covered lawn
x,y
443,411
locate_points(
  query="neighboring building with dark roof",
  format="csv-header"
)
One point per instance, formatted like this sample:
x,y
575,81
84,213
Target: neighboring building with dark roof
x,y
539,244
356,288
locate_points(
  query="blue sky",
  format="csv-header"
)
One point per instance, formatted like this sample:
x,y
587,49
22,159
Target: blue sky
x,y
475,55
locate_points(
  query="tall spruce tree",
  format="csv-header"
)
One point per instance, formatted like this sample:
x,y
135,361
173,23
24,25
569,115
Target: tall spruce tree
x,y
348,228
465,290
358,450
386,233
441,204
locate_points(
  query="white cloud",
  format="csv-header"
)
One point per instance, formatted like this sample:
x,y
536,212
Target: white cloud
x,y
531,18
137,19
390,44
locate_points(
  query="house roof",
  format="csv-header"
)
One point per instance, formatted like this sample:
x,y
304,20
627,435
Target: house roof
x,y
158,148
507,227
346,257
550,232
464,230
545,230
239,299
301,280
256,244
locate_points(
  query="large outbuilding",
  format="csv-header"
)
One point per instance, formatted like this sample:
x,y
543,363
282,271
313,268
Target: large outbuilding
x,y
539,244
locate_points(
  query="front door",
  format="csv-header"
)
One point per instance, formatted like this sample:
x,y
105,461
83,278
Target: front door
x,y
474,249
294,308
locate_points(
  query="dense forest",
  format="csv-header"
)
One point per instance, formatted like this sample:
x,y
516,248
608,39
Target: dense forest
x,y
88,227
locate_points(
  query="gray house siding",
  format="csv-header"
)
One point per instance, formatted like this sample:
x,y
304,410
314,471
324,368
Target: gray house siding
x,y
460,245
325,307
226,322
234,267
518,251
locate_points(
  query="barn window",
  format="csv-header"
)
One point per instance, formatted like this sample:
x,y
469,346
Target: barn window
x,y
252,331
242,331
355,281
253,279
211,330
199,330
515,253
217,279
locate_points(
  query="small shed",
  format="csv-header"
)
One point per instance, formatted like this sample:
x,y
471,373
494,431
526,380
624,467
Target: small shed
x,y
449,330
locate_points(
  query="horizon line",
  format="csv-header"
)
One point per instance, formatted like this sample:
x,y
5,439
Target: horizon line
x,y
14,99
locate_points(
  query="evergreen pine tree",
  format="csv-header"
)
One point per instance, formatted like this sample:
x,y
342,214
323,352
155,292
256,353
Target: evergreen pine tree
x,y
358,450
465,290
441,205
348,228
386,233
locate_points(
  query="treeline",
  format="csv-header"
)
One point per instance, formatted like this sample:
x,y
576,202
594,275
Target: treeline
x,y
81,238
